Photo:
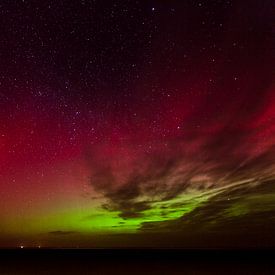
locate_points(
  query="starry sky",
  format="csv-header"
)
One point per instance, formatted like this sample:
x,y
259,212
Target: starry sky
x,y
137,123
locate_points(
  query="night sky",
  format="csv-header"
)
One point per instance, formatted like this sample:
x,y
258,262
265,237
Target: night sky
x,y
137,123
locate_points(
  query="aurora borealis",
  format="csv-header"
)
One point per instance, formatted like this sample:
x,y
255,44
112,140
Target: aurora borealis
x,y
137,123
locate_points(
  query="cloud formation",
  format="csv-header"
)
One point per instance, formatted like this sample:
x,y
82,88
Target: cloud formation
x,y
171,171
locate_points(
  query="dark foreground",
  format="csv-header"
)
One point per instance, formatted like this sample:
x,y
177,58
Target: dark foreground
x,y
136,261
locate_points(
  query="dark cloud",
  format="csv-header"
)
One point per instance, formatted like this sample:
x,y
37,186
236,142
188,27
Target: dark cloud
x,y
62,233
168,172
142,187
236,210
